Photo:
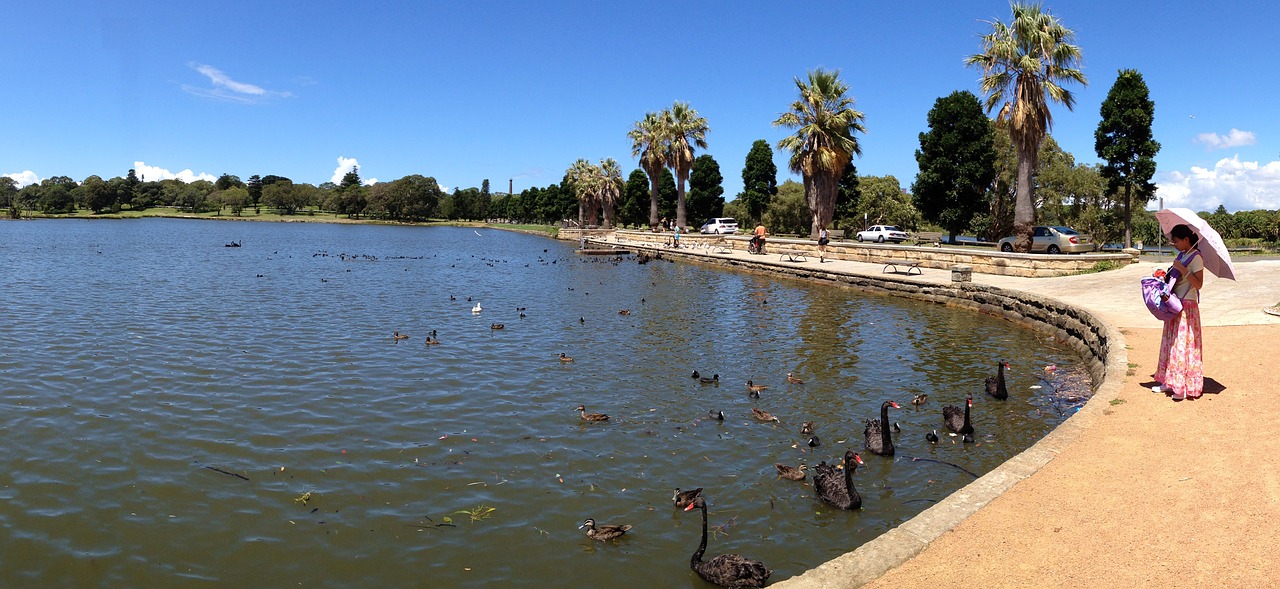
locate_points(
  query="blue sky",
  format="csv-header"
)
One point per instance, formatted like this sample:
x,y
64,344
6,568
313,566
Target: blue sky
x,y
464,91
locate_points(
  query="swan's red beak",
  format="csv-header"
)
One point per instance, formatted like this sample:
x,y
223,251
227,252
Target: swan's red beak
x,y
858,458
689,507
895,405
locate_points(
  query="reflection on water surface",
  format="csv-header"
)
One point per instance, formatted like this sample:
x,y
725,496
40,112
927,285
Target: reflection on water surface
x,y
177,412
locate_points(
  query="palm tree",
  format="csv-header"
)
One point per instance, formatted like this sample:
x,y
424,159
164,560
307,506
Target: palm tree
x,y
648,142
684,130
823,143
582,177
1023,66
609,188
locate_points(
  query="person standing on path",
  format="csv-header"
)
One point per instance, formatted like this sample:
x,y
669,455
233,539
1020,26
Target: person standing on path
x,y
1180,370
823,240
758,236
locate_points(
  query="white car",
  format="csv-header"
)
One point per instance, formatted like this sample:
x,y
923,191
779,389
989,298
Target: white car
x,y
720,225
882,233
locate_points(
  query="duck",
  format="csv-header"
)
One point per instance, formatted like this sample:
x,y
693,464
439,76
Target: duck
x,y
995,384
696,375
716,415
397,335
836,490
603,533
814,442
793,380
919,399
624,312
806,428
877,436
476,309
755,388
791,473
966,439
897,429
591,416
764,415
715,379
431,341
726,570
957,422
682,499
564,358
931,437
497,326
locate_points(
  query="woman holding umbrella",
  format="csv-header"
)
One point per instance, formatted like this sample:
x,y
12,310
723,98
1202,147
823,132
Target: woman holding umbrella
x,y
1180,370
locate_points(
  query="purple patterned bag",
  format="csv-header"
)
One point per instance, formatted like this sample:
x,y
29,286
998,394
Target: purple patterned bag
x,y
1157,293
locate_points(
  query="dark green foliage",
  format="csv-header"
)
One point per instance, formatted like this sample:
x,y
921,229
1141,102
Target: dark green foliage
x,y
254,187
847,196
667,195
227,182
706,194
1124,141
634,207
759,179
957,163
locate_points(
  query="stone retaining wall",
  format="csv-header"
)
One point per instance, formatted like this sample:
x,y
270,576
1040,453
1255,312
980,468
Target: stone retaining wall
x,y
983,261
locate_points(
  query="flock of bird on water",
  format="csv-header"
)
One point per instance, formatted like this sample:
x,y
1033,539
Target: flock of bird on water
x,y
833,488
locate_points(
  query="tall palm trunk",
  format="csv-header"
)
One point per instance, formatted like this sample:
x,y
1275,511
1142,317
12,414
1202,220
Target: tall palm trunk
x,y
820,194
682,176
1024,210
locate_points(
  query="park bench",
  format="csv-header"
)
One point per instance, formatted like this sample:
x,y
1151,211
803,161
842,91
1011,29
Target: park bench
x,y
721,246
898,264
836,234
792,256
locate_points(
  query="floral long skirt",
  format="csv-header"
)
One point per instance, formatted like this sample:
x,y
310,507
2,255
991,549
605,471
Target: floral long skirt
x,y
1181,365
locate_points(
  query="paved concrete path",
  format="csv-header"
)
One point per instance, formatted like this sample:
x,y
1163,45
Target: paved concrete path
x,y
1136,490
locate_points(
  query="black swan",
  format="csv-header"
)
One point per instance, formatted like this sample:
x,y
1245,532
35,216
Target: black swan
x,y
955,421
837,490
995,384
603,533
726,570
684,498
591,416
877,432
792,473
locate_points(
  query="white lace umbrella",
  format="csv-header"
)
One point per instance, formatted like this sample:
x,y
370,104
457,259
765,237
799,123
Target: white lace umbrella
x,y
1216,257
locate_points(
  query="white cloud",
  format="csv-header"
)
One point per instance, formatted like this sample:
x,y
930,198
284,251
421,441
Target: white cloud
x,y
1237,185
224,88
24,178
345,164
1235,138
154,173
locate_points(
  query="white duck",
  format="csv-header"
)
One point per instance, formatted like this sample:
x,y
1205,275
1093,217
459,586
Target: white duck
x,y
476,309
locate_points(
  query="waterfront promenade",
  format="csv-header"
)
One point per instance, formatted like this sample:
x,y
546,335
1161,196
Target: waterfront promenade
x,y
1144,492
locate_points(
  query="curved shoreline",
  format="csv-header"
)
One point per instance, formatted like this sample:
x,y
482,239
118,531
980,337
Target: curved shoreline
x,y
1101,345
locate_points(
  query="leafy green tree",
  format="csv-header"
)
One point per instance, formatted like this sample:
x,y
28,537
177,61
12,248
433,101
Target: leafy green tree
x,y
9,196
667,194
823,143
422,195
788,211
684,130
847,197
1124,141
885,202
957,163
254,186
144,196
706,190
759,179
1024,65
98,195
282,197
227,182
635,199
235,198
56,199
649,143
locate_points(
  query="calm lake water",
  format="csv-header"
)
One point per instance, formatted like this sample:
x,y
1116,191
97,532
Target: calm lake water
x,y
169,403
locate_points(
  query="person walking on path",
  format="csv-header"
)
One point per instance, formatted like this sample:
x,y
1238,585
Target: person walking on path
x,y
1180,370
823,239
677,237
758,236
